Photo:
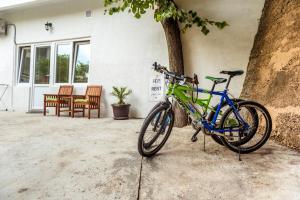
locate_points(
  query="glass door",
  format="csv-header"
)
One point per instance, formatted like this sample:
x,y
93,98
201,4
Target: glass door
x,y
42,71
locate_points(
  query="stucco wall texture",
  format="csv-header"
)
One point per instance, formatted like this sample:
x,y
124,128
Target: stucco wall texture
x,y
273,76
123,48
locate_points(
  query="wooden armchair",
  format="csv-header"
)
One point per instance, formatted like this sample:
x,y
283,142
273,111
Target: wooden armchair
x,y
59,100
90,101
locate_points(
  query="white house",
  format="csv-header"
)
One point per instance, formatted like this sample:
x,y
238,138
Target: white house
x,y
114,50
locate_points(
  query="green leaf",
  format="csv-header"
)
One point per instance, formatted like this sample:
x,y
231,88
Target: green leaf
x,y
143,11
204,30
133,8
121,93
137,15
221,25
163,9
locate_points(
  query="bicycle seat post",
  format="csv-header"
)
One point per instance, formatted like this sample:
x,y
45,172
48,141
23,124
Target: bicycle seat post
x,y
213,87
228,82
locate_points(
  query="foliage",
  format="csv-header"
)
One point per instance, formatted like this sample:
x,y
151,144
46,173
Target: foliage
x,y
81,71
164,9
62,68
121,93
42,71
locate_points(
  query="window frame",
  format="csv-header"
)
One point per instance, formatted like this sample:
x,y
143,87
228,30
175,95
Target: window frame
x,y
20,61
53,57
71,43
75,56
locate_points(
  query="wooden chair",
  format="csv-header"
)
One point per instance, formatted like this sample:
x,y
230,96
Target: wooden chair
x,y
90,101
59,100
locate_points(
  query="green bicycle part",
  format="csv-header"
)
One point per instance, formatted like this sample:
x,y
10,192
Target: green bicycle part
x,y
218,80
180,92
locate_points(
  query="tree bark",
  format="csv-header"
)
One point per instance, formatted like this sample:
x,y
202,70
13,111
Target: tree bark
x,y
273,74
172,33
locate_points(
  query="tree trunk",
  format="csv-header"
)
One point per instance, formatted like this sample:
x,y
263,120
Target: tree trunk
x,y
176,64
273,74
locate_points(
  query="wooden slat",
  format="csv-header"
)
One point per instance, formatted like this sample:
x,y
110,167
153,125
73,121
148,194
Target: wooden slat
x,y
93,94
63,90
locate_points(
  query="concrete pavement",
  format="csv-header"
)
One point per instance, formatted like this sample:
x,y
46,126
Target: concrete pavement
x,y
65,158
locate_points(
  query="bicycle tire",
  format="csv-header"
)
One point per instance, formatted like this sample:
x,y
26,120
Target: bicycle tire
x,y
266,134
147,122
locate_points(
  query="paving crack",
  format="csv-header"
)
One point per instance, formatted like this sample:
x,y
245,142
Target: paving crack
x,y
140,179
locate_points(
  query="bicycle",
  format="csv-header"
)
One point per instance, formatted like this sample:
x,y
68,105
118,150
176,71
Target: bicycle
x,y
236,128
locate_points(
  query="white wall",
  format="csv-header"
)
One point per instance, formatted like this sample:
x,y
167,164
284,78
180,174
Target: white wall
x,y
124,48
6,67
226,49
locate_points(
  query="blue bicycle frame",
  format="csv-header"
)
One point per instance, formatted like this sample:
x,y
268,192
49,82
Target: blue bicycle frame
x,y
179,92
211,126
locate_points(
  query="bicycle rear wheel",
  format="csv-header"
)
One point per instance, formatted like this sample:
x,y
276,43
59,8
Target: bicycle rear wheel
x,y
224,107
156,130
255,140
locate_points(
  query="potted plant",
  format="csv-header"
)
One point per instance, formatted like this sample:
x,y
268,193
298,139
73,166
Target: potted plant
x,y
121,109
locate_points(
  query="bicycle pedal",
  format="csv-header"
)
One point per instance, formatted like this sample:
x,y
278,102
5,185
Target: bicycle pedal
x,y
194,139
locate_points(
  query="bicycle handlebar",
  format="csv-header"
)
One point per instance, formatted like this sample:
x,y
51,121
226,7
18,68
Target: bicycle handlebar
x,y
164,70
159,68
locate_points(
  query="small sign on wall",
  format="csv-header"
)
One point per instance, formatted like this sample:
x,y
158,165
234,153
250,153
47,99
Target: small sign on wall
x,y
156,88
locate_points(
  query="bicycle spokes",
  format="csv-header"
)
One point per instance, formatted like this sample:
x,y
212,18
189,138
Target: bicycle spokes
x,y
157,127
239,129
252,137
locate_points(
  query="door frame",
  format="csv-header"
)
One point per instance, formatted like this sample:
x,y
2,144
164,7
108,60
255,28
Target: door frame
x,y
33,85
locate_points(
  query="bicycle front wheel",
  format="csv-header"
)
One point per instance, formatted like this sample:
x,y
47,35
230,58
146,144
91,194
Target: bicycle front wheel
x,y
156,130
255,140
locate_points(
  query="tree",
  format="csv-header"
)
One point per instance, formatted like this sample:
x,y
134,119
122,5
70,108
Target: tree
x,y
170,16
81,71
42,71
62,68
273,74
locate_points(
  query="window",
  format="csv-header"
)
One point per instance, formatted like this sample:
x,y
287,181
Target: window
x,y
68,63
24,67
82,62
62,63
42,65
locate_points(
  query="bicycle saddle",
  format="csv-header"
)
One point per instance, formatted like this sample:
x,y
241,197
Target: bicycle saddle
x,y
233,73
216,80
